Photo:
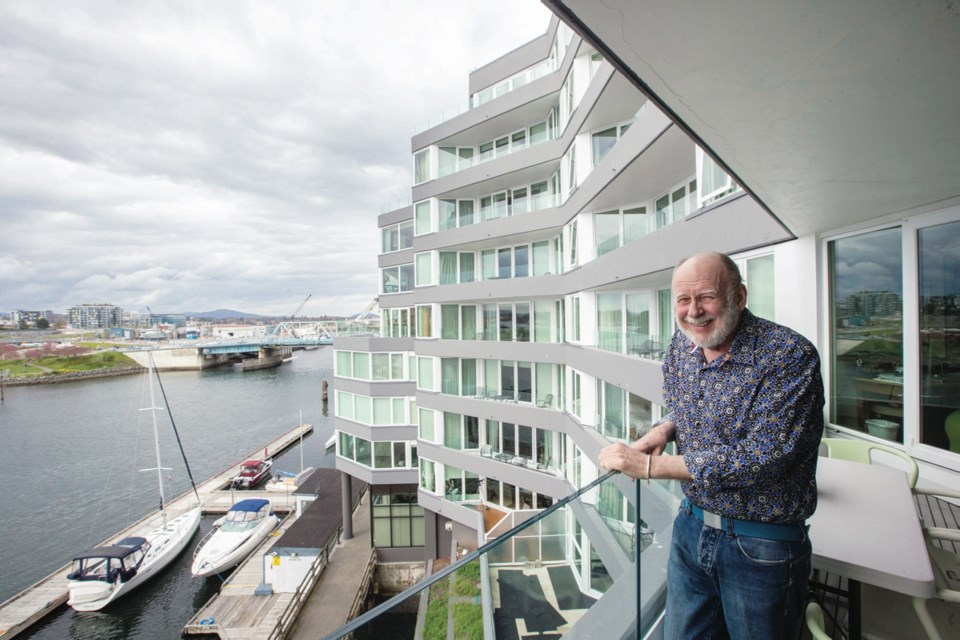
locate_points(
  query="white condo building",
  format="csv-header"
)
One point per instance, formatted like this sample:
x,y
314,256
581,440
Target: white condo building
x,y
525,294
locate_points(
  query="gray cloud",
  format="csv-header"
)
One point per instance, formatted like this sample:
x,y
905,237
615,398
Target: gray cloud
x,y
190,156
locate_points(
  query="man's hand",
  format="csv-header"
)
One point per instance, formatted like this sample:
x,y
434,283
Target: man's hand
x,y
627,460
655,440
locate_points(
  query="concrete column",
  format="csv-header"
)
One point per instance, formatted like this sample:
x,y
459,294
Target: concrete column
x,y
346,508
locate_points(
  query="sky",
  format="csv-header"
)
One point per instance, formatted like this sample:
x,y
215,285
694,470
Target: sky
x,y
192,156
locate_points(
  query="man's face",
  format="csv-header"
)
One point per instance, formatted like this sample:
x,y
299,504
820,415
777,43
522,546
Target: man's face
x,y
706,313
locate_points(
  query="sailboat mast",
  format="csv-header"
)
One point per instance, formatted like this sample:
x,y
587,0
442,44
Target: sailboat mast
x,y
156,437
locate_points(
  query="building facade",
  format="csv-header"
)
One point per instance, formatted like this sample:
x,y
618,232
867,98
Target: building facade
x,y
28,319
94,316
525,294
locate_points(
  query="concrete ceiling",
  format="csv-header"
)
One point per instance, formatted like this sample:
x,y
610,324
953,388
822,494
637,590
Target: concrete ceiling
x,y
829,113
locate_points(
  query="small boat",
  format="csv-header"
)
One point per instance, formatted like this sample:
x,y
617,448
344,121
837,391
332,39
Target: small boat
x,y
288,480
103,574
245,526
252,473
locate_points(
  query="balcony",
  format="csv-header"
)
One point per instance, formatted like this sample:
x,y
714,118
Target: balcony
x,y
568,570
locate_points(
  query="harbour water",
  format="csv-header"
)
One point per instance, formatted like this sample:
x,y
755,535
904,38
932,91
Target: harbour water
x,y
71,474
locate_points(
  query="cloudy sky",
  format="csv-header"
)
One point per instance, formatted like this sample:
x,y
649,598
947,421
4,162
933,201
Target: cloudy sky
x,y
232,154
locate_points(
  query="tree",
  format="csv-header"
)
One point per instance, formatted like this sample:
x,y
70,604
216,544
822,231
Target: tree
x,y
43,323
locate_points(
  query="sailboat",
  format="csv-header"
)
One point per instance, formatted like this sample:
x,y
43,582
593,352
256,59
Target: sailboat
x,y
103,574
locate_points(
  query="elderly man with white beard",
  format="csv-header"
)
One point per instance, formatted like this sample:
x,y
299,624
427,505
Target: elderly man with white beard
x,y
745,407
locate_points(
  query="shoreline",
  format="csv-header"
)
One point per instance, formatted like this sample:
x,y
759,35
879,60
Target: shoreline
x,y
73,376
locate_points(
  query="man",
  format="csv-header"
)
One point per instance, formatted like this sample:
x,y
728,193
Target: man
x,y
745,401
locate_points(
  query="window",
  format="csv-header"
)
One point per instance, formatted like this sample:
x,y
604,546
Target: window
x,y
421,216
607,231
425,373
449,321
866,278
390,239
424,271
938,286
397,519
421,166
447,217
714,181
603,141
759,279
609,322
541,258
676,204
397,279
504,263
895,348
448,267
571,165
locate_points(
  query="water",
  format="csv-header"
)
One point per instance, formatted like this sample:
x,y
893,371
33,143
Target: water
x,y
71,474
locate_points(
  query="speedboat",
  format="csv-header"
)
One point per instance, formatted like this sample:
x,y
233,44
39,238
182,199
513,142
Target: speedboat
x,y
252,473
245,526
102,574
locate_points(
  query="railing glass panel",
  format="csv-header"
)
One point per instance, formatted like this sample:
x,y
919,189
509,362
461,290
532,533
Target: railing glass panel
x,y
570,569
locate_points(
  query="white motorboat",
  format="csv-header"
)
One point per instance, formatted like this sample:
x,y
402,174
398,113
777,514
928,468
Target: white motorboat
x,y
245,526
287,480
103,574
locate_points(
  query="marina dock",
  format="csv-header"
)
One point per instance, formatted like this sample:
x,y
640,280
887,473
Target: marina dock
x,y
43,597
242,611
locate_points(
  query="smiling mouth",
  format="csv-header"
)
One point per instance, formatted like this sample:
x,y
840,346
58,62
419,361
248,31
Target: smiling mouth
x,y
699,323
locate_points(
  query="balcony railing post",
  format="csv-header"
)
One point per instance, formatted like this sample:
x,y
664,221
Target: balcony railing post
x,y
636,558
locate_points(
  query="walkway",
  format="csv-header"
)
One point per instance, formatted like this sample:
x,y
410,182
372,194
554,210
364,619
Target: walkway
x,y
329,604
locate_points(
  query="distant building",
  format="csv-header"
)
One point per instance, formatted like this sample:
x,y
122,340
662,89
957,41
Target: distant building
x,y
19,317
172,319
95,316
237,331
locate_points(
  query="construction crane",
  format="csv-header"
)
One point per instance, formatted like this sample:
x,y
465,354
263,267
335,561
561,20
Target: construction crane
x,y
297,310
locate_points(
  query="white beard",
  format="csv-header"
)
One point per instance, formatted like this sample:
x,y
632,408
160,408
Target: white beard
x,y
726,322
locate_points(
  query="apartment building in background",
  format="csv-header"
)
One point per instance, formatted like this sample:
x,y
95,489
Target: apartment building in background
x,y
525,293
94,316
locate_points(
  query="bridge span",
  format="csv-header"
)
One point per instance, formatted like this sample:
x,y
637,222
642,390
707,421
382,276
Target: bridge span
x,y
268,350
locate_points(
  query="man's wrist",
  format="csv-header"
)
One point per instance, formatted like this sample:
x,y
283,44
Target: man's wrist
x,y
667,419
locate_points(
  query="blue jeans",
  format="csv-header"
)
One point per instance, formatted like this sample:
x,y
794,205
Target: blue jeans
x,y
721,585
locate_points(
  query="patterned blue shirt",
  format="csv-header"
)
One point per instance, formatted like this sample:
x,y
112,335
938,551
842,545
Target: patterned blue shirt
x,y
749,423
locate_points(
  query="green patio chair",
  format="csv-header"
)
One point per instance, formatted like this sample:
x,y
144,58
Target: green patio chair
x,y
862,451
815,622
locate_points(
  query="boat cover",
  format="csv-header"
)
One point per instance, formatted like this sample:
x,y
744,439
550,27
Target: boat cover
x,y
250,504
120,550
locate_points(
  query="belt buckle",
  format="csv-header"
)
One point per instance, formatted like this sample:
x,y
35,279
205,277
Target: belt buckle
x,y
712,520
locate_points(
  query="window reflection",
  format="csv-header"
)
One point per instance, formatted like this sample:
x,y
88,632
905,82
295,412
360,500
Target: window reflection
x,y
939,287
867,309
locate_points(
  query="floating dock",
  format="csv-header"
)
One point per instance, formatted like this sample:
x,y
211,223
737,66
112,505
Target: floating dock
x,y
42,598
248,609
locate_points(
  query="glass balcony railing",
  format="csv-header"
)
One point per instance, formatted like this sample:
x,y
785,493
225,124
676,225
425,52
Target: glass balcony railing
x,y
644,345
573,568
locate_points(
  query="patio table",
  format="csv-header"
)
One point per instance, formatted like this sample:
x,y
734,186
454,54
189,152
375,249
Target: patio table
x,y
866,527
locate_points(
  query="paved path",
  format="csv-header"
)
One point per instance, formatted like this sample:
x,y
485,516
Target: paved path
x,y
329,604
